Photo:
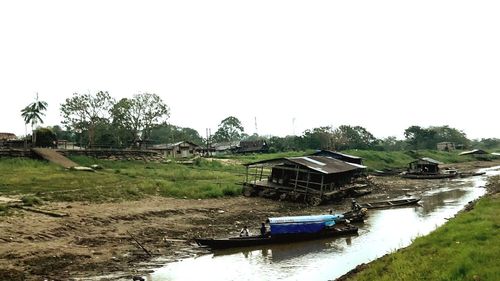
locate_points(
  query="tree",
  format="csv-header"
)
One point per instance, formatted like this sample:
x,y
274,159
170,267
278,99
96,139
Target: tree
x,y
167,133
45,137
420,138
230,129
318,138
82,112
348,137
140,115
32,114
391,144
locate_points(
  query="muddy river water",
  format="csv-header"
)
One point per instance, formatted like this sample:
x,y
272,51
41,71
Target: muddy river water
x,y
383,232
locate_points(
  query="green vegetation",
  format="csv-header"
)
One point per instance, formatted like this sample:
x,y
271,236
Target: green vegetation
x,y
129,180
247,158
119,180
399,159
465,248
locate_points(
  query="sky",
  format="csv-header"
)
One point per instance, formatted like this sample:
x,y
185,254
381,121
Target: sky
x,y
281,67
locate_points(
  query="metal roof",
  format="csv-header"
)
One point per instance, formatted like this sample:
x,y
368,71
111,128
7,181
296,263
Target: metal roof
x,y
336,152
427,159
322,164
474,151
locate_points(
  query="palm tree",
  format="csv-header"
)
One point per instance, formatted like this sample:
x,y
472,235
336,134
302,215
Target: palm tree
x,y
32,114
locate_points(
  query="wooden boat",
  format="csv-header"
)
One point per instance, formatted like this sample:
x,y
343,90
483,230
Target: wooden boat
x,y
389,203
471,174
429,176
287,230
257,240
355,216
359,193
387,172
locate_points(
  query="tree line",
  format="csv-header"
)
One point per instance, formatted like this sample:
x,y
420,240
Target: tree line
x,y
93,120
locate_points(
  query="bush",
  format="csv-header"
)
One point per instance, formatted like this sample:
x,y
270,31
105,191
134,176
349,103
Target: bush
x,y
30,200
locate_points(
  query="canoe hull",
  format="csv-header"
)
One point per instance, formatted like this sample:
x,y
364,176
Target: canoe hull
x,y
389,203
237,242
428,176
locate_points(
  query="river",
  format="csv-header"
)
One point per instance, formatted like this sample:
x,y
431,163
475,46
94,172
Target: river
x,y
383,232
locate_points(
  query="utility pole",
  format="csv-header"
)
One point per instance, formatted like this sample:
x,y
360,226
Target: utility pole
x,y
256,126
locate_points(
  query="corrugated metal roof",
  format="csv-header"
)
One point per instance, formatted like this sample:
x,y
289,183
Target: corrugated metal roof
x,y
427,159
336,152
474,151
322,164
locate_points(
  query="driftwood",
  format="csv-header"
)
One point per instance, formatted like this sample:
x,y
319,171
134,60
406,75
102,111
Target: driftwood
x,y
140,245
48,213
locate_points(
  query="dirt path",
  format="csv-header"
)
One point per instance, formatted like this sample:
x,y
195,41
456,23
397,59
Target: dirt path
x,y
53,156
93,239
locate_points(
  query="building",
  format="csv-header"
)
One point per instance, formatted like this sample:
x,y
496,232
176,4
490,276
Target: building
x,y
7,136
446,146
257,146
182,149
310,177
424,166
222,148
340,156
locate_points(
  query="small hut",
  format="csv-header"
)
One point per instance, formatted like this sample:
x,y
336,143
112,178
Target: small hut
x,y
182,149
424,166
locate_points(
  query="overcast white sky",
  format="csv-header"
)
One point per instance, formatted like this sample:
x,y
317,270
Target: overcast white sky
x,y
384,65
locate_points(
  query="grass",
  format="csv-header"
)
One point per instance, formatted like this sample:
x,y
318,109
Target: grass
x,y
119,180
377,160
130,180
465,248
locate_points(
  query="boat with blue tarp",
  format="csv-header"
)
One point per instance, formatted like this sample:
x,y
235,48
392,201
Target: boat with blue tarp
x,y
288,230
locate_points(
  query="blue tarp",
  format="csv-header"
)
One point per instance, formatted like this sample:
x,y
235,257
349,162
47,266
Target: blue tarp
x,y
301,224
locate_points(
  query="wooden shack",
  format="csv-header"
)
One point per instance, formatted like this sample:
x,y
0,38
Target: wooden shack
x,y
424,166
312,178
445,146
257,146
182,149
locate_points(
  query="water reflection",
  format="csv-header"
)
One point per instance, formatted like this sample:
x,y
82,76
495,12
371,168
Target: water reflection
x,y
383,232
280,252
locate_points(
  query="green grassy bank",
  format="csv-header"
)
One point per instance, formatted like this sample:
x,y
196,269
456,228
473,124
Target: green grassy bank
x,y
465,248
128,180
375,160
119,180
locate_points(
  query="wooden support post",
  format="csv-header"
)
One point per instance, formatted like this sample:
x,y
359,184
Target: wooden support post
x,y
296,178
308,178
255,178
246,176
261,171
321,190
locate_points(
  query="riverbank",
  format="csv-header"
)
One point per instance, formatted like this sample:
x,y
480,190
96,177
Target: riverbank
x,y
465,248
94,240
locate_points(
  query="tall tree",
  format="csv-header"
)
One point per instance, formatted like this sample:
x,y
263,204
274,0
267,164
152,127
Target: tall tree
x,y
230,129
348,137
82,112
32,114
139,115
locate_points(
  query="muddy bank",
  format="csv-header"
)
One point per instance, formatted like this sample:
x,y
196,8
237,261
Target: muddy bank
x,y
93,240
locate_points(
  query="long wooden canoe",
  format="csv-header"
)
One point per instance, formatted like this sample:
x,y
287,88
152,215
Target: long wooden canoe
x,y
236,242
389,203
429,176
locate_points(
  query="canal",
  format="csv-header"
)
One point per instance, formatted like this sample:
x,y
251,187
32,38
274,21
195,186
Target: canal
x,y
383,232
